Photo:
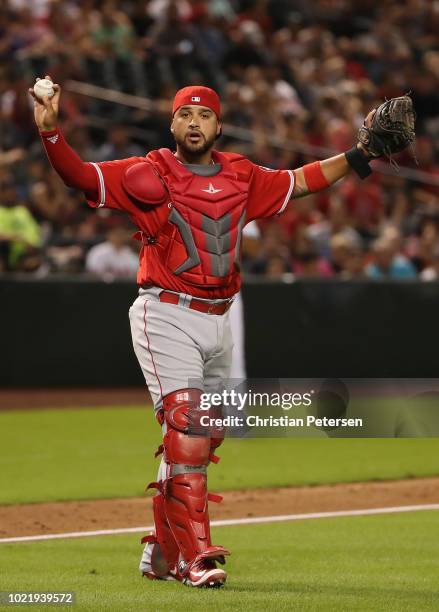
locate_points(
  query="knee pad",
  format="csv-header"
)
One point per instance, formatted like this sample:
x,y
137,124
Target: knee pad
x,y
180,409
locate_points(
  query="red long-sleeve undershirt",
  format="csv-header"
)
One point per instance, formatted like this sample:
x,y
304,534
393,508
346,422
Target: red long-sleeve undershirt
x,y
67,163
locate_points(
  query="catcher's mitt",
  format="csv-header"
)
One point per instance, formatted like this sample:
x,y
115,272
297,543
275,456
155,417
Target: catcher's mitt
x,y
392,128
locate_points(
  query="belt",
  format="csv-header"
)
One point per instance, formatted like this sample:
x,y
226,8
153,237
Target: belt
x,y
218,308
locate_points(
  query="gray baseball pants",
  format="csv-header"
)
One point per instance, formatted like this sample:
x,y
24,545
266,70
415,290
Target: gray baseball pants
x,y
179,348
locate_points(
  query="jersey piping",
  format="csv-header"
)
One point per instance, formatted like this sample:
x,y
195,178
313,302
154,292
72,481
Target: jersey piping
x,y
101,185
290,191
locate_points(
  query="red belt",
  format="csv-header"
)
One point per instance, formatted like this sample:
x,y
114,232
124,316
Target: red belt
x,y
209,308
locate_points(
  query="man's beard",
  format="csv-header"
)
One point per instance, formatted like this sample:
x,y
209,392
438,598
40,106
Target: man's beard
x,y
195,149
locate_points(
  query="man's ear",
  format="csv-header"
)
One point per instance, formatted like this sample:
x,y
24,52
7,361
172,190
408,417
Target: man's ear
x,y
219,131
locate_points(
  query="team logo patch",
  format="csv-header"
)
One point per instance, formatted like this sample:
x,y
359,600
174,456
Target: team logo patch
x,y
211,189
52,139
195,99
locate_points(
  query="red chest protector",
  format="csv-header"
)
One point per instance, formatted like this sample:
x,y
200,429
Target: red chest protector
x,y
201,240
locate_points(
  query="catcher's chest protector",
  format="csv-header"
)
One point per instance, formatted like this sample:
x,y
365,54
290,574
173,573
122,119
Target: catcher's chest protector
x,y
201,240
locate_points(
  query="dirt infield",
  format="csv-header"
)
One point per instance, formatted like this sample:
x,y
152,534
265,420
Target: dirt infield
x,y
31,399
59,517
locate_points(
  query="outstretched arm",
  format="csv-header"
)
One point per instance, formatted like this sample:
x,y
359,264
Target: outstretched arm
x,y
67,163
322,174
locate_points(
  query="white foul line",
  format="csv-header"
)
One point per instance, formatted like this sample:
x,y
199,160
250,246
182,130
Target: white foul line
x,y
228,522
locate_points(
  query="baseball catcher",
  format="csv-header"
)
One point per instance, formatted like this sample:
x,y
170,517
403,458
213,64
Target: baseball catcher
x,y
190,206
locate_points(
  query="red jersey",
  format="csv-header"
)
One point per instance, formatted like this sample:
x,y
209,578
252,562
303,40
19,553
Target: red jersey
x,y
267,193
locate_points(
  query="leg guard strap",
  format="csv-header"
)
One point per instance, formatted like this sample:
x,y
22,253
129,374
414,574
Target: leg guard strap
x,y
149,539
181,468
215,498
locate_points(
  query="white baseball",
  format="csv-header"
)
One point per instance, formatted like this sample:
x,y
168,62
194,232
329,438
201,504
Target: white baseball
x,y
44,87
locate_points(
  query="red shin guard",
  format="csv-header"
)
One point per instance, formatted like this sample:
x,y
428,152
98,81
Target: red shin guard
x,y
169,550
185,491
187,513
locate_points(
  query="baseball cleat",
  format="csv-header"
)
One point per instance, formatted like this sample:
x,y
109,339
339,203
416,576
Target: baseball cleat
x,y
202,571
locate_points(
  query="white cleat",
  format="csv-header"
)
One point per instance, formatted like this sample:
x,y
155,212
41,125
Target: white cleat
x,y
203,573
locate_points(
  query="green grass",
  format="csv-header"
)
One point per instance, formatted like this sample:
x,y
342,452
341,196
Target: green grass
x,y
104,453
386,562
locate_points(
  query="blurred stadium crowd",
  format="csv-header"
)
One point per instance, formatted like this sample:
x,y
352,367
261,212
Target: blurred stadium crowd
x,y
298,76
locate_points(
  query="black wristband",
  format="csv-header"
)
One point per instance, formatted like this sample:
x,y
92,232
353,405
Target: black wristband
x,y
358,162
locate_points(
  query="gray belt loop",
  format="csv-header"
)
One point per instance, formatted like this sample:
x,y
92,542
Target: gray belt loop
x,y
182,299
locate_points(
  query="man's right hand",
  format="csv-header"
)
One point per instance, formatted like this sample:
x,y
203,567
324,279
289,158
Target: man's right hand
x,y
46,109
